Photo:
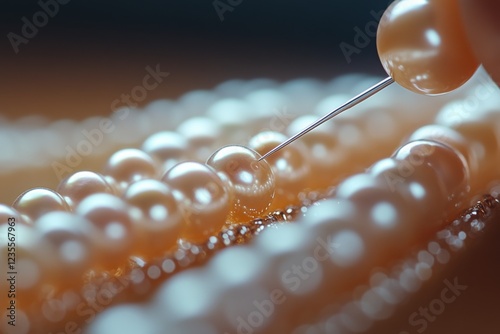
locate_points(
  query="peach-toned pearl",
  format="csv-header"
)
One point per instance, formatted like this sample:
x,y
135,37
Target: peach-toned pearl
x,y
82,184
382,215
130,165
252,181
114,237
70,241
33,203
33,262
166,146
484,144
203,197
202,133
447,163
161,218
325,154
449,137
7,212
416,185
289,165
423,46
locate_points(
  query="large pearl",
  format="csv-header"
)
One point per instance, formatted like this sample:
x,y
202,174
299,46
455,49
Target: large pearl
x,y
33,262
8,213
166,146
130,165
289,165
114,231
203,197
33,203
423,46
70,240
252,181
446,163
82,184
161,218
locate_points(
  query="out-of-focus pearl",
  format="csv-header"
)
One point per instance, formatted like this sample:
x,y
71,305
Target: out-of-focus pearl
x,y
33,262
252,181
7,212
289,165
161,218
447,163
35,202
423,46
114,236
166,146
203,197
70,239
382,215
82,184
449,137
130,165
324,152
202,134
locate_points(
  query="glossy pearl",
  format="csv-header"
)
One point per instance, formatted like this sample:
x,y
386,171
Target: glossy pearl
x,y
7,212
161,218
35,202
130,165
33,262
382,215
289,165
168,147
423,46
252,181
82,184
70,241
202,133
112,220
447,163
203,197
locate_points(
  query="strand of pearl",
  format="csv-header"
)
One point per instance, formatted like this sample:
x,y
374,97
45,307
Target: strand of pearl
x,y
122,181
365,223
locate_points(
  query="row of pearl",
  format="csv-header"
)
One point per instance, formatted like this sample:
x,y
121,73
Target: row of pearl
x,y
263,142
154,231
362,226
37,152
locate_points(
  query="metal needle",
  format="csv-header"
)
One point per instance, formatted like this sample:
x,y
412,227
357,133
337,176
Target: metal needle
x,y
349,104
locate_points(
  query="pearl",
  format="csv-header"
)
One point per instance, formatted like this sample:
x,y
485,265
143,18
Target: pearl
x,y
33,262
203,197
166,146
82,184
70,240
130,165
423,46
252,182
448,165
202,133
114,228
7,212
325,154
382,215
161,218
33,203
289,165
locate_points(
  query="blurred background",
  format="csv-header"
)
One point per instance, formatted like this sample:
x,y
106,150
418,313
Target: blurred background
x,y
82,55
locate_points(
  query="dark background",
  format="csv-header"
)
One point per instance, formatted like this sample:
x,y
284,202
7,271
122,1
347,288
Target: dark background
x,y
92,51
